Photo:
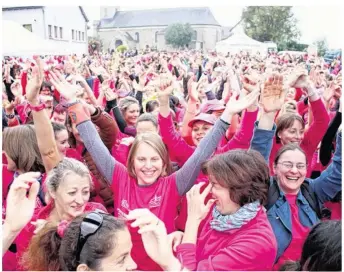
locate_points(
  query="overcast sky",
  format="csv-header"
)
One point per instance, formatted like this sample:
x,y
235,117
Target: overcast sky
x,y
314,22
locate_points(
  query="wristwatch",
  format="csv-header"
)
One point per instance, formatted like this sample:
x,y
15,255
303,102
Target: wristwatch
x,y
9,116
37,108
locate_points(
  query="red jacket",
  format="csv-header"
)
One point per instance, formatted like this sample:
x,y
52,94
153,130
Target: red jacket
x,y
251,247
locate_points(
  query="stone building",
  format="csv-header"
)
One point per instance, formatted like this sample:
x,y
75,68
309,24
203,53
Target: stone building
x,y
142,28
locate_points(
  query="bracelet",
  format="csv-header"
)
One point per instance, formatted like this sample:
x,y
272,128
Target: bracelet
x,y
37,108
9,116
228,124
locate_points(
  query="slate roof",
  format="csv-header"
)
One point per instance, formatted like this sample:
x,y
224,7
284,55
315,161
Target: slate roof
x,y
159,17
7,8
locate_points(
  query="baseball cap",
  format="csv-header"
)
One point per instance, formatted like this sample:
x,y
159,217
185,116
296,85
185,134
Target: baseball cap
x,y
212,105
205,117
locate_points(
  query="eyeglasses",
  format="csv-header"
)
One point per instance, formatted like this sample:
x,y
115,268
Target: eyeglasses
x,y
290,165
89,226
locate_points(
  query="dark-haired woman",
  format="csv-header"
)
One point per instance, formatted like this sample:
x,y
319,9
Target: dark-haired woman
x,y
295,205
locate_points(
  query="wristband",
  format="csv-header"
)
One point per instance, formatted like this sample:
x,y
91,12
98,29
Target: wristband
x,y
78,114
36,108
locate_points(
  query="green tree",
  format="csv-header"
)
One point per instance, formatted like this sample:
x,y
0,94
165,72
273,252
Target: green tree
x,y
178,35
322,46
270,23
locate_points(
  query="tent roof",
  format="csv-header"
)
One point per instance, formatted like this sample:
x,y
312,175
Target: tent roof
x,y
240,39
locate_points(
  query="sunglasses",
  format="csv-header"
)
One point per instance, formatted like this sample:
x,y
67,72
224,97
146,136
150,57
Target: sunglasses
x,y
89,226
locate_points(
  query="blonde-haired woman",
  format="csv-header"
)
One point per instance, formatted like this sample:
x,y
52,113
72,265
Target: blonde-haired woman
x,y
146,182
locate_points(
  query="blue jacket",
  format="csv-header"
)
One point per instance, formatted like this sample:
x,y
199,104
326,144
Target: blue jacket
x,y
325,187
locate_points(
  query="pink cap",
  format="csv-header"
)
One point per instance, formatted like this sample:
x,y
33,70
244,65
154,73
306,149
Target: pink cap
x,y
208,118
212,105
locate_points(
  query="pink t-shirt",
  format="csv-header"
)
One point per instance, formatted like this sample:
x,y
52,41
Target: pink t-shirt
x,y
299,234
161,198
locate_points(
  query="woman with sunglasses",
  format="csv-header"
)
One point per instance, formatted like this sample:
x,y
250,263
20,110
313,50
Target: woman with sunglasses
x,y
68,182
147,181
295,201
95,241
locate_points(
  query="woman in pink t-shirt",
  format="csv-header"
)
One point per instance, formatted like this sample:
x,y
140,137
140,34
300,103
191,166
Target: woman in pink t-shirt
x,y
147,181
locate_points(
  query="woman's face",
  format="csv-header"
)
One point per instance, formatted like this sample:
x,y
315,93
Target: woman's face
x,y
72,196
120,259
199,130
291,170
61,138
290,94
220,194
131,114
148,164
294,134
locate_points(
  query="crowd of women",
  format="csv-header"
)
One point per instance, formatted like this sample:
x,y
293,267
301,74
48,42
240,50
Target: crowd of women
x,y
171,161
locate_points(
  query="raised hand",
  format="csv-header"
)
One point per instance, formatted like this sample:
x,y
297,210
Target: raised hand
x,y
273,93
34,84
67,90
20,205
165,87
17,88
154,236
197,210
299,79
193,91
236,106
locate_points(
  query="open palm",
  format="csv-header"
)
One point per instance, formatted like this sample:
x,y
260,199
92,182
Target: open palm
x,y
67,90
237,106
34,84
272,96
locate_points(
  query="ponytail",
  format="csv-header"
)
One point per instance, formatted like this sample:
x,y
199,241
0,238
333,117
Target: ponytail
x,y
43,251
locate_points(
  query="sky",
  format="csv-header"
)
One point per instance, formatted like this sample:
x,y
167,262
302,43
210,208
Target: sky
x,y
314,22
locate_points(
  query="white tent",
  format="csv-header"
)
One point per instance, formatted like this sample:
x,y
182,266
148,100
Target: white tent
x,y
239,41
18,41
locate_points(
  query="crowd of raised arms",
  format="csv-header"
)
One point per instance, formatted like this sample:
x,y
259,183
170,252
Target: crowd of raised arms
x,y
171,161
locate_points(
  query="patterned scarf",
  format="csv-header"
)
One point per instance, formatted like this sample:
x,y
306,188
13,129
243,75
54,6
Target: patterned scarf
x,y
236,220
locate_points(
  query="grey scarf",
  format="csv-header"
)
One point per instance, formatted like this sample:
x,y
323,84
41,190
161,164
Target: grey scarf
x,y
236,220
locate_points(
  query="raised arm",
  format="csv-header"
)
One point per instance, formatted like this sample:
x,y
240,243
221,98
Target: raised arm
x,y
186,176
272,98
330,181
44,131
326,143
80,117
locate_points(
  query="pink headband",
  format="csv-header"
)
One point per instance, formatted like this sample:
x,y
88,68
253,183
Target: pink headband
x,y
61,228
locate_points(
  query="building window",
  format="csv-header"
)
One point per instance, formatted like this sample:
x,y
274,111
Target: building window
x,y
72,34
55,31
217,36
61,33
137,36
28,27
156,36
49,30
194,36
79,35
83,36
